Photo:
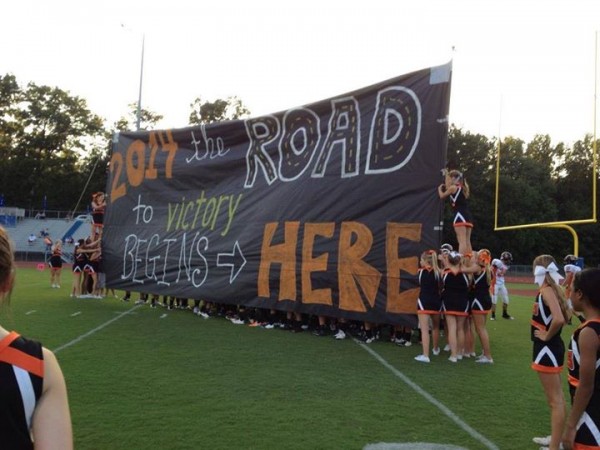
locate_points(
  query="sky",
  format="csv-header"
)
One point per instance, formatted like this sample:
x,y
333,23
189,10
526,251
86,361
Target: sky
x,y
520,68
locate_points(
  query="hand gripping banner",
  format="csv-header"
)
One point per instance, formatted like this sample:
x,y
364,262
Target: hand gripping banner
x,y
321,209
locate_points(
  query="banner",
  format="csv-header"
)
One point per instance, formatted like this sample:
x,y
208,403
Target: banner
x,y
321,209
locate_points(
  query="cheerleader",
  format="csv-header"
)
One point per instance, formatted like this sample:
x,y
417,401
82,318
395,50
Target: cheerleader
x,y
429,304
583,423
549,316
456,187
98,206
570,269
79,262
455,304
481,302
55,264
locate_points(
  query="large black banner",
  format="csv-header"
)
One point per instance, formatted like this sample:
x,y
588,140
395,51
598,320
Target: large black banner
x,y
322,209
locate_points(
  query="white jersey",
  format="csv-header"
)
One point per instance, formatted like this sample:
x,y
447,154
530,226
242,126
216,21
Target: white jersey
x,y
572,268
499,269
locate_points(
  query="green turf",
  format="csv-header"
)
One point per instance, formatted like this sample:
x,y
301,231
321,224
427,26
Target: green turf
x,y
169,380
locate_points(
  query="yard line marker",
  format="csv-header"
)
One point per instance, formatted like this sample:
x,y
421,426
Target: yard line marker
x,y
98,328
430,398
30,312
75,313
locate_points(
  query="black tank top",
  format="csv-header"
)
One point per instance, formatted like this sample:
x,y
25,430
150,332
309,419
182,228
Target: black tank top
x,y
21,383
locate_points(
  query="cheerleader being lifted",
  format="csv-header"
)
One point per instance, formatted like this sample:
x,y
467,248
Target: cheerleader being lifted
x,y
456,188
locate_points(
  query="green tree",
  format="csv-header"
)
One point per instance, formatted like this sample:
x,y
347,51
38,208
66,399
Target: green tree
x,y
45,131
204,112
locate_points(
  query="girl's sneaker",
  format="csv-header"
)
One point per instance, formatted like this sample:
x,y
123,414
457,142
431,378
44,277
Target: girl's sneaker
x,y
436,351
422,358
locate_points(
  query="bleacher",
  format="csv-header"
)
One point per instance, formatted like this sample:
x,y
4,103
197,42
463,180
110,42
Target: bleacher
x,y
79,228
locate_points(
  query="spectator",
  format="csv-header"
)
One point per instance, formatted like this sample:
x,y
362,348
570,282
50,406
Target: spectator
x,y
31,239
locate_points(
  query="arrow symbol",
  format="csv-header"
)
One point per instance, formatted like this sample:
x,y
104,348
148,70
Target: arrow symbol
x,y
233,259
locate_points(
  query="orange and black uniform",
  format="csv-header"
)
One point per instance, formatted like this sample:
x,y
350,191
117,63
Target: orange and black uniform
x,y
98,215
430,301
56,259
21,383
588,428
482,300
462,214
455,295
548,356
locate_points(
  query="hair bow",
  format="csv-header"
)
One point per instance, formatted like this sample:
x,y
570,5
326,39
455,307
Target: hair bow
x,y
540,274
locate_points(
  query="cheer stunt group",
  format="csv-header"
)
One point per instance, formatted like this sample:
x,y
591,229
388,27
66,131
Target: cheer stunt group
x,y
458,284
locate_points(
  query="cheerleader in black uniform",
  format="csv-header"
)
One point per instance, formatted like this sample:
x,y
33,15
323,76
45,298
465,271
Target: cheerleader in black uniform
x,y
455,304
583,424
56,264
79,262
481,302
98,206
457,189
549,316
429,304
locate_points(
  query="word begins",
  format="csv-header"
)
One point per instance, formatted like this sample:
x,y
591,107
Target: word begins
x,y
152,259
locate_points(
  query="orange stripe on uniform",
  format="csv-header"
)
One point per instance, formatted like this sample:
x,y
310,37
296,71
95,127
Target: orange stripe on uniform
x,y
8,339
538,325
546,369
21,359
578,446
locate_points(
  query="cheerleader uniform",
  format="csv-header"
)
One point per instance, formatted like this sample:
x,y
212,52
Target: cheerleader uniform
x,y
548,356
21,382
482,300
98,215
455,296
79,261
587,435
462,214
429,301
56,259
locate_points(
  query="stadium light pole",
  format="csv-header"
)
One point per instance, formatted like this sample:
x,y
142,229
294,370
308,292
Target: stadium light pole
x,y
139,102
139,105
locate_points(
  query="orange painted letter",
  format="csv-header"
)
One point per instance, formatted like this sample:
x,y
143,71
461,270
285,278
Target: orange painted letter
x,y
355,242
312,264
401,302
284,254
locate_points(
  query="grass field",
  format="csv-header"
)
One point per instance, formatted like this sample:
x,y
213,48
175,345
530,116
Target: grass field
x,y
143,378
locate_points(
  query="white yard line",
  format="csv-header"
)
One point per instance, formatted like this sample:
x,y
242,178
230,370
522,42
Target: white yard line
x,y
75,313
30,312
430,398
98,328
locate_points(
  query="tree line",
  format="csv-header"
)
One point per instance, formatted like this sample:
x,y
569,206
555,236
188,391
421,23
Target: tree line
x,y
53,147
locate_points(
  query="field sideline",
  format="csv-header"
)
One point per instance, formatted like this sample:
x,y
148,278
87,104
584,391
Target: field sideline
x,y
143,378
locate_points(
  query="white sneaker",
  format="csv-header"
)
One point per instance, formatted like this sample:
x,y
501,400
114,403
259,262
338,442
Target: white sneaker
x,y
486,360
422,358
237,321
436,351
340,335
407,344
447,348
544,440
269,326
203,315
452,359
